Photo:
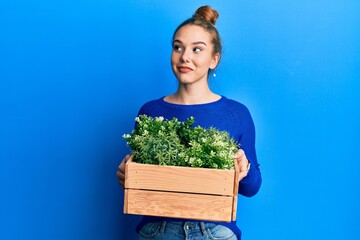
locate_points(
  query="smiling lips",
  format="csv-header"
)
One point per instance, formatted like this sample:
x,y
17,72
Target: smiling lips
x,y
184,69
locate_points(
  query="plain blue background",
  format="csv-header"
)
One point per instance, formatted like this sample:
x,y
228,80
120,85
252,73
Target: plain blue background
x,y
73,75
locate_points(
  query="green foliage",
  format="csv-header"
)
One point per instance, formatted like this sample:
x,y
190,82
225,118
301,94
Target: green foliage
x,y
175,143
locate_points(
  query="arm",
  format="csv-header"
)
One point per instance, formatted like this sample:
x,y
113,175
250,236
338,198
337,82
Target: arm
x,y
251,178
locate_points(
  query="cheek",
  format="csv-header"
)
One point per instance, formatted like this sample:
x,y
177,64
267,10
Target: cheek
x,y
173,62
203,62
173,59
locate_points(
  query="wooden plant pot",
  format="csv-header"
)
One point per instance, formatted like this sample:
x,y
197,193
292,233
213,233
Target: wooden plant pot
x,y
181,192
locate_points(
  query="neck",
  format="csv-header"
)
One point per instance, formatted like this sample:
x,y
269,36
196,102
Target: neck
x,y
189,94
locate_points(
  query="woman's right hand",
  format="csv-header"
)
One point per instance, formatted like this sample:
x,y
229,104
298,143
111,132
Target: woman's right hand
x,y
120,174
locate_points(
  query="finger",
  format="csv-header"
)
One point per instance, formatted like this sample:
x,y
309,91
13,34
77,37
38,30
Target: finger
x,y
242,175
239,154
122,164
120,174
121,178
243,165
122,183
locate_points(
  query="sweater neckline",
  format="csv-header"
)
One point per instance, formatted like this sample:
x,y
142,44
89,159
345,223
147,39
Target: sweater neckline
x,y
219,101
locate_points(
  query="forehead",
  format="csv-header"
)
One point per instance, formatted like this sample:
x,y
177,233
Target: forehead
x,y
192,33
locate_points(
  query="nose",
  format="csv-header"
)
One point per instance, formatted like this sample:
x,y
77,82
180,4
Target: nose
x,y
186,56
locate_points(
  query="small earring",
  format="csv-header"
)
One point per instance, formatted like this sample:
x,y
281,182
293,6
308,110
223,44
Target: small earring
x,y
214,73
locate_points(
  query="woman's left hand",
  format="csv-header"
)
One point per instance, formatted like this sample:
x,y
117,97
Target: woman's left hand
x,y
243,162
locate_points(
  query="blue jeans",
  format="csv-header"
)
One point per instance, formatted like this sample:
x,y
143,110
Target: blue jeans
x,y
185,231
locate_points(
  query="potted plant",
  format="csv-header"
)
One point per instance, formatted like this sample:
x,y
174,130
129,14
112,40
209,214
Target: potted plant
x,y
177,170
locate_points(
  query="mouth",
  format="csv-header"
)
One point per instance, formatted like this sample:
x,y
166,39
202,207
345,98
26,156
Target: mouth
x,y
184,69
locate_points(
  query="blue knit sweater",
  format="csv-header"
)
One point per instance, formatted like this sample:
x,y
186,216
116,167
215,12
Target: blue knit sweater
x,y
224,114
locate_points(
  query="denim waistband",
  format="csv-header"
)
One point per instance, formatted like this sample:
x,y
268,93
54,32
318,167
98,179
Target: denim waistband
x,y
185,226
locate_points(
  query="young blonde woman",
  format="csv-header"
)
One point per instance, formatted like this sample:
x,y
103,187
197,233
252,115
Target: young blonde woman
x,y
196,52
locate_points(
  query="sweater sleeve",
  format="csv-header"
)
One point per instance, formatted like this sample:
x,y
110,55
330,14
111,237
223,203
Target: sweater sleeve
x,y
250,185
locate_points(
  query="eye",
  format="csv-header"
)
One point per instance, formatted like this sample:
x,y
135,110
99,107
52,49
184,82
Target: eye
x,y
177,48
197,49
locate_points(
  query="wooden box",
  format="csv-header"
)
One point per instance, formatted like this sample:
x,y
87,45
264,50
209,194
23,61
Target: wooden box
x,y
181,192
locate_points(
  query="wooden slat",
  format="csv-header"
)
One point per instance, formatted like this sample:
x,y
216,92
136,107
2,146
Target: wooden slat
x,y
236,178
126,199
179,205
179,179
236,189
234,207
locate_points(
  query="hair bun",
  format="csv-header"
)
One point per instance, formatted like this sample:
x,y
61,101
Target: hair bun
x,y
207,13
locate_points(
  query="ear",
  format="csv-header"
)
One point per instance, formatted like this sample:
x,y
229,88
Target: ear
x,y
215,60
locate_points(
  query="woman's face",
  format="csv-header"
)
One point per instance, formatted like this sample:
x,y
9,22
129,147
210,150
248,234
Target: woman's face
x,y
192,55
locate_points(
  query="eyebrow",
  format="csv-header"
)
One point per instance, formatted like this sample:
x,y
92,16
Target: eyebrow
x,y
194,43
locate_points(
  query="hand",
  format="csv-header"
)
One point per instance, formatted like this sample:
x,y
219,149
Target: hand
x,y
243,162
120,174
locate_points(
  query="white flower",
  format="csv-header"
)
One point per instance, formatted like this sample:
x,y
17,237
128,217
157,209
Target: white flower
x,y
126,136
159,119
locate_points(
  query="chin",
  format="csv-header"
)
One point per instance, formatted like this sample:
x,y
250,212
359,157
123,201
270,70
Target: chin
x,y
185,80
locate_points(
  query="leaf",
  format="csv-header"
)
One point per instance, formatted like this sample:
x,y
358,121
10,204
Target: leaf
x,y
170,142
